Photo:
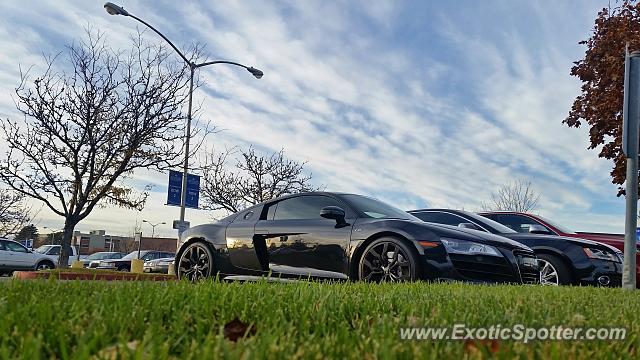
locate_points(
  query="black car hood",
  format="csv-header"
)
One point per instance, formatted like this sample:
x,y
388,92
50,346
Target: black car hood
x,y
454,232
576,241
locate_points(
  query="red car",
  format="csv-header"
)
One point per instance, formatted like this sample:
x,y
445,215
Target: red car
x,y
523,222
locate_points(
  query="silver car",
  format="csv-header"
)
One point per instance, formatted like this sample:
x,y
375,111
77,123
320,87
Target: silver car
x,y
158,265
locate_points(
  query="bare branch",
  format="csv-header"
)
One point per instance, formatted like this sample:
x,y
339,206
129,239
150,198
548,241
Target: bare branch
x,y
14,213
513,196
254,179
87,130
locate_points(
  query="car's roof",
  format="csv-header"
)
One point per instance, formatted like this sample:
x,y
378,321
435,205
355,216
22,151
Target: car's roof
x,y
283,197
503,212
437,209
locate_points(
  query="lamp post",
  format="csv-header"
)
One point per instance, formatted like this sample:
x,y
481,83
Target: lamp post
x,y
153,227
114,9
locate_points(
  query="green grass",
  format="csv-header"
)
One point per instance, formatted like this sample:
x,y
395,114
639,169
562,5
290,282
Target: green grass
x,y
52,319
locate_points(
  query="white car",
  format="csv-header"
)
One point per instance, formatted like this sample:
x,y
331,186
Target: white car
x,y
53,252
14,257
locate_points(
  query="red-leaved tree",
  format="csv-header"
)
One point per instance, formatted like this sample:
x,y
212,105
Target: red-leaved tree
x,y
601,71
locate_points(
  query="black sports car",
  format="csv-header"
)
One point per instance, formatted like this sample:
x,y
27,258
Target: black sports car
x,y
346,236
563,260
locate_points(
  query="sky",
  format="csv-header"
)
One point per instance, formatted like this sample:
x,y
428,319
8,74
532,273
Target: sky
x,y
417,103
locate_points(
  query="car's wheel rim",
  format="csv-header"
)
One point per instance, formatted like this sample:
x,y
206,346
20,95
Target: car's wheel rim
x,y
548,273
43,267
385,261
195,263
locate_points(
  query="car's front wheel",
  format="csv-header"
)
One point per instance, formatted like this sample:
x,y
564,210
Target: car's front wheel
x,y
44,265
196,262
553,271
388,259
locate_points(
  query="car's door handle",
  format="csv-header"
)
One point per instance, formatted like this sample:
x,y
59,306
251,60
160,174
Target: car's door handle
x,y
284,238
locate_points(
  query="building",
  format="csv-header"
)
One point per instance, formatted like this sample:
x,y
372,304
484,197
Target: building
x,y
98,240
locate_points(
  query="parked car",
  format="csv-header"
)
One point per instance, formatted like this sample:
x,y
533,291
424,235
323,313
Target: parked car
x,y
93,260
563,260
124,264
347,236
158,265
53,252
14,257
535,224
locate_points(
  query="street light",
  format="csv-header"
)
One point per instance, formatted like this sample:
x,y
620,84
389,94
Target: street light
x,y
153,226
114,9
52,233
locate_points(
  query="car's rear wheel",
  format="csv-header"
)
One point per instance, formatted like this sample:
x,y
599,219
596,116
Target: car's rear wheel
x,y
122,268
196,262
388,259
44,265
553,271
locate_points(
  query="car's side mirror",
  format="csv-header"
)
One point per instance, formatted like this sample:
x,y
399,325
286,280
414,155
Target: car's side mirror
x,y
468,226
538,229
335,213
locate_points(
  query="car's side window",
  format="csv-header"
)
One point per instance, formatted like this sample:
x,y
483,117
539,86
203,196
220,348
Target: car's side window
x,y
54,250
15,247
518,223
2,246
303,207
271,211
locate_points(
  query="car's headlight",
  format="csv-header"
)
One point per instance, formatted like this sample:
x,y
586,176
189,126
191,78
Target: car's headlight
x,y
456,246
601,254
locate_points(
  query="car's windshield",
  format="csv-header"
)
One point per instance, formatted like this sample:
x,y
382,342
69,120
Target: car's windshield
x,y
134,255
99,256
376,209
555,225
494,226
43,249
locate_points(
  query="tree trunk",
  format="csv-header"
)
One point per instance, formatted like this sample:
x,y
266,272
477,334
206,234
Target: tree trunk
x,y
67,235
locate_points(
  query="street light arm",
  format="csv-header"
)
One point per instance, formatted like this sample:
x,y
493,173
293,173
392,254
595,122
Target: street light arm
x,y
220,62
257,73
164,37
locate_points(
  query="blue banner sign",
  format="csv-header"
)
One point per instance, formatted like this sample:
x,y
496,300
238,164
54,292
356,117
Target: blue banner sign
x,y
175,189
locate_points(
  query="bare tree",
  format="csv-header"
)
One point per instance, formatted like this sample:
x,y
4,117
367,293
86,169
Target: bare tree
x,y
517,195
254,179
14,213
129,243
87,128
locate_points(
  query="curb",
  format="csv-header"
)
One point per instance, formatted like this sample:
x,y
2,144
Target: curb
x,y
35,275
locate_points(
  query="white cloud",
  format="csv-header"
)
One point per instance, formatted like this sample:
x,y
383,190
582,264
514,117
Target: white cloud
x,y
370,116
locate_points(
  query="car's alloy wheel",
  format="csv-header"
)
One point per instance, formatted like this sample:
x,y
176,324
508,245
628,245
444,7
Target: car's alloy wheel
x,y
387,260
43,266
548,273
196,262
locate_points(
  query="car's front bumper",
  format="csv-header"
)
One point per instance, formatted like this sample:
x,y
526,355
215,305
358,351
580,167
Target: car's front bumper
x,y
105,268
515,266
598,273
156,268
